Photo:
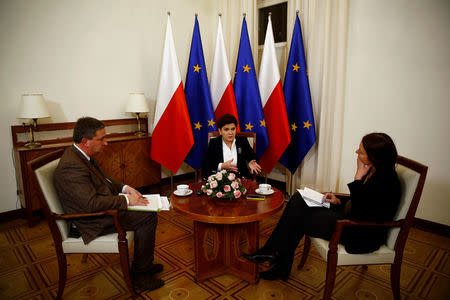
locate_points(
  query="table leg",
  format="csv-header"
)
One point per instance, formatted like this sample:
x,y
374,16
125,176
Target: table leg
x,y
222,253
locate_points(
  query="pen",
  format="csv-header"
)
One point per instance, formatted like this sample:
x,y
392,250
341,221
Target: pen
x,y
325,199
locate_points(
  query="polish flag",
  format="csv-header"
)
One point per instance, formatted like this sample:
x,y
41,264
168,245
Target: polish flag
x,y
172,136
222,93
273,103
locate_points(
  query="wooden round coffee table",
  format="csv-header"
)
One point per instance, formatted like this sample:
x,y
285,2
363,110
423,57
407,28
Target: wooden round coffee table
x,y
226,221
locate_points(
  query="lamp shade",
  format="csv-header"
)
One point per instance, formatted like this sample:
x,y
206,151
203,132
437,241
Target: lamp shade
x,y
137,103
33,106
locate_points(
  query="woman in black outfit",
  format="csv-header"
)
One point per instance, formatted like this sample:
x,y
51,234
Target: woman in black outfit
x,y
229,152
374,197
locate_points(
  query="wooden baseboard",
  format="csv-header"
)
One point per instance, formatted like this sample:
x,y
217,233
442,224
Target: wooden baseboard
x,y
179,178
432,227
12,215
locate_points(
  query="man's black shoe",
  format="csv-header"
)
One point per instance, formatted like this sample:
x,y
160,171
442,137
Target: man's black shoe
x,y
274,273
259,258
147,282
155,268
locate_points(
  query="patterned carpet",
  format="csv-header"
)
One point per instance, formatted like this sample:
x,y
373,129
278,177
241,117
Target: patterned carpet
x,y
28,269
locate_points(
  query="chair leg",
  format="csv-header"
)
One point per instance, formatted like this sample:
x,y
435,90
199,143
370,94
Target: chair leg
x,y
84,258
331,275
395,279
306,248
124,262
62,272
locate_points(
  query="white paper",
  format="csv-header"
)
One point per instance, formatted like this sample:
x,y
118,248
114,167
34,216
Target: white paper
x,y
313,198
165,203
154,203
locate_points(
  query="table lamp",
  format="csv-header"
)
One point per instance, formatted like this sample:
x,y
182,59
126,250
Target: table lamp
x,y
32,106
137,104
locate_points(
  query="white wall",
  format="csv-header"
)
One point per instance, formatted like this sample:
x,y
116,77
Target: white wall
x,y
398,82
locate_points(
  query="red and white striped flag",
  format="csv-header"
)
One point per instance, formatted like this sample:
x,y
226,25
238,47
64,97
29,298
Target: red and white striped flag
x,y
172,136
273,103
222,93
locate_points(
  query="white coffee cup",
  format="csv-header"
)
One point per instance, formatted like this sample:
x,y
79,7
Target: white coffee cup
x,y
182,189
264,187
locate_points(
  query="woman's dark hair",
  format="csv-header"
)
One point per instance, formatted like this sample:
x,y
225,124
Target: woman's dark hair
x,y
226,119
380,150
86,127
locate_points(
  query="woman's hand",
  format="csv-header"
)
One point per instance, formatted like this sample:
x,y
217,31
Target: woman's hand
x,y
361,169
228,165
331,198
254,167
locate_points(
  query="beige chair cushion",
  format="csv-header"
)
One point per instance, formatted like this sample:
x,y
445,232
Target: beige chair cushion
x,y
385,255
408,182
102,244
44,176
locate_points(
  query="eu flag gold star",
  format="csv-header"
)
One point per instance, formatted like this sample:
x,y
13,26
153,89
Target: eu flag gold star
x,y
249,126
296,67
307,124
247,68
197,125
262,123
197,68
211,122
293,127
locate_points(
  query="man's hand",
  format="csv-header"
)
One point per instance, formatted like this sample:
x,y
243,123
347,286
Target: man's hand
x,y
254,167
130,191
136,200
228,165
134,197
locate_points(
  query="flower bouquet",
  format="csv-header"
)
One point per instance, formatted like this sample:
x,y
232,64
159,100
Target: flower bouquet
x,y
224,184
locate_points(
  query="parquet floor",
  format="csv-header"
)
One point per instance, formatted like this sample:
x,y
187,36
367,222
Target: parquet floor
x,y
28,269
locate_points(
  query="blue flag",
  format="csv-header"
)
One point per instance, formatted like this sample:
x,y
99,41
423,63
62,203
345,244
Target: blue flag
x,y
248,99
298,104
198,98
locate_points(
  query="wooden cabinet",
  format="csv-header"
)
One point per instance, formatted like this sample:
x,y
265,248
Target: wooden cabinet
x,y
129,162
126,158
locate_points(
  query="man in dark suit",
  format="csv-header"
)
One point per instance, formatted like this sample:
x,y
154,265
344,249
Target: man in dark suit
x,y
229,152
83,187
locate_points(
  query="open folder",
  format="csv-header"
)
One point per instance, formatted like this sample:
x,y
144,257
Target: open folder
x,y
313,198
155,203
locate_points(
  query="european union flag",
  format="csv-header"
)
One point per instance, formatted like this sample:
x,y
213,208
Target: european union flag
x,y
198,98
298,104
248,99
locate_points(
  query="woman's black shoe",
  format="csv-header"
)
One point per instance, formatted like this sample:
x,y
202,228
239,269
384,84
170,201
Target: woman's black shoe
x,y
275,273
260,256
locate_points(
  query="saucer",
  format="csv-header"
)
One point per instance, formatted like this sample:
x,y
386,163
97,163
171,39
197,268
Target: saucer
x,y
269,192
176,192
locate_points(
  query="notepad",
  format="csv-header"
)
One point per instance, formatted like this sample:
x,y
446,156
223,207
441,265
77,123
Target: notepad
x,y
313,198
155,203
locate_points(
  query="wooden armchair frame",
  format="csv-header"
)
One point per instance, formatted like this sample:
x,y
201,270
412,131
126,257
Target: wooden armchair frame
x,y
404,225
57,237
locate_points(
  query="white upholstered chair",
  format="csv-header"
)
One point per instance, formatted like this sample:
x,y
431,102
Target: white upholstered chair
x,y
119,242
412,178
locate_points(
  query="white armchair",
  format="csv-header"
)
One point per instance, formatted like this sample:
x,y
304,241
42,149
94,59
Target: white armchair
x,y
412,178
119,242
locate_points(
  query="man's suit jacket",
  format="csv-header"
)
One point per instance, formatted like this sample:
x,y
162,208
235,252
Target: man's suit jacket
x,y
83,188
214,156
